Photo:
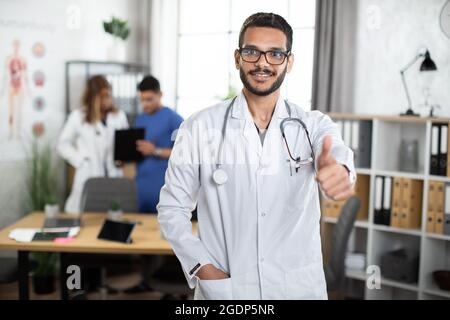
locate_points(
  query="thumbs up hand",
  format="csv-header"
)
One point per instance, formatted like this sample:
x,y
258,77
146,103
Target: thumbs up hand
x,y
332,176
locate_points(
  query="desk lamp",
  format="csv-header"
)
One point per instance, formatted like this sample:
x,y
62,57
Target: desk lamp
x,y
427,65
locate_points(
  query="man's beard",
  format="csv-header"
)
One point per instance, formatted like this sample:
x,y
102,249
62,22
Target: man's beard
x,y
275,86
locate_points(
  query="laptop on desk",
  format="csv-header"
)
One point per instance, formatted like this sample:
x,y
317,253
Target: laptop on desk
x,y
62,222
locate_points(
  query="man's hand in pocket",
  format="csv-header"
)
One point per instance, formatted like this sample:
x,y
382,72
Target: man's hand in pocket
x,y
209,272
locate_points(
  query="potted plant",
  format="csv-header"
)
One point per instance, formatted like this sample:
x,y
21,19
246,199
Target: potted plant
x,y
44,273
119,31
115,212
51,207
42,192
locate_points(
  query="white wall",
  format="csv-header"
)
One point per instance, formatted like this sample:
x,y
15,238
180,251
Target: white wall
x,y
164,47
387,44
52,22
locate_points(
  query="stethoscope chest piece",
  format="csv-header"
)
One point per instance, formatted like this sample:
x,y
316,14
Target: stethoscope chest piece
x,y
220,176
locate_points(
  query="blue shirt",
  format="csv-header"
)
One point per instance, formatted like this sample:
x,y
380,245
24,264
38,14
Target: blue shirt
x,y
150,173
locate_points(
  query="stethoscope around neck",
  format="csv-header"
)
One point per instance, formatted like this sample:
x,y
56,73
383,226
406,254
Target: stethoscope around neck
x,y
220,176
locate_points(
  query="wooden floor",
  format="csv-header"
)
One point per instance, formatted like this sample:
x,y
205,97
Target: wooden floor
x,y
10,291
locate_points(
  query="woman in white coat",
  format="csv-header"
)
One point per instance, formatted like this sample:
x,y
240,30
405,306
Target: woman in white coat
x,y
87,139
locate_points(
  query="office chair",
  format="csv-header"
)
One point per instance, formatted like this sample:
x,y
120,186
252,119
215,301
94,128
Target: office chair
x,y
99,192
168,278
335,268
96,197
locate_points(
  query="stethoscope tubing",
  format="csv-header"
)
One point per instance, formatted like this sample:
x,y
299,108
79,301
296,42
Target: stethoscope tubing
x,y
282,124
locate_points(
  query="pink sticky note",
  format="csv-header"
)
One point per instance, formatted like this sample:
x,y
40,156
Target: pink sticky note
x,y
64,240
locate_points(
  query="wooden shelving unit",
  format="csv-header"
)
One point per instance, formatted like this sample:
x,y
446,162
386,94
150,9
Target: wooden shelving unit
x,y
375,240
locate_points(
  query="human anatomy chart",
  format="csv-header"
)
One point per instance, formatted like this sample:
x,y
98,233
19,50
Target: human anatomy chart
x,y
15,85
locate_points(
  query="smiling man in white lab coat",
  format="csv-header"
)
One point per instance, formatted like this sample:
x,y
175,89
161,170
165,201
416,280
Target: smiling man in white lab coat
x,y
258,209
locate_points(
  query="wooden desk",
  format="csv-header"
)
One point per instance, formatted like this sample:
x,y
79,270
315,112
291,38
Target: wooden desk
x,y
146,237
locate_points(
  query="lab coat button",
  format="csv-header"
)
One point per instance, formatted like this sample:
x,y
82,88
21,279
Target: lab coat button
x,y
262,260
263,214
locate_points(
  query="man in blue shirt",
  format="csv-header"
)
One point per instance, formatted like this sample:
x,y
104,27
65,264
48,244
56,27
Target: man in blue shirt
x,y
159,123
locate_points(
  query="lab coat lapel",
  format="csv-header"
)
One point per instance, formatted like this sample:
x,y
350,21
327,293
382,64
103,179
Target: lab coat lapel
x,y
240,111
273,141
99,129
273,131
251,135
249,132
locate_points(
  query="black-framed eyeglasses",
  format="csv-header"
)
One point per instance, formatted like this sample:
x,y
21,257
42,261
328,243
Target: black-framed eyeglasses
x,y
274,57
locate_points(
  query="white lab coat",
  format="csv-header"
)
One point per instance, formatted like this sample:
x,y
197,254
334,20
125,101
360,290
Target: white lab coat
x,y
262,226
89,149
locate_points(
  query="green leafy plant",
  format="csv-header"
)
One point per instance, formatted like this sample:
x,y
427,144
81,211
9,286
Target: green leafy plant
x,y
42,191
117,28
45,263
114,206
51,199
42,186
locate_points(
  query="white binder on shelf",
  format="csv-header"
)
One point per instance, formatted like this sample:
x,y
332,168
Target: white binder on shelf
x,y
434,157
347,133
446,221
434,140
443,150
387,193
378,193
444,136
355,135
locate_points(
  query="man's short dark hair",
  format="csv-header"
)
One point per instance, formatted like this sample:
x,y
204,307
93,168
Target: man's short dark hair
x,y
271,20
149,83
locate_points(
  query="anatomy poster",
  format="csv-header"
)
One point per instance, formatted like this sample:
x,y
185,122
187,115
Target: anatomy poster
x,y
35,44
16,88
29,94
